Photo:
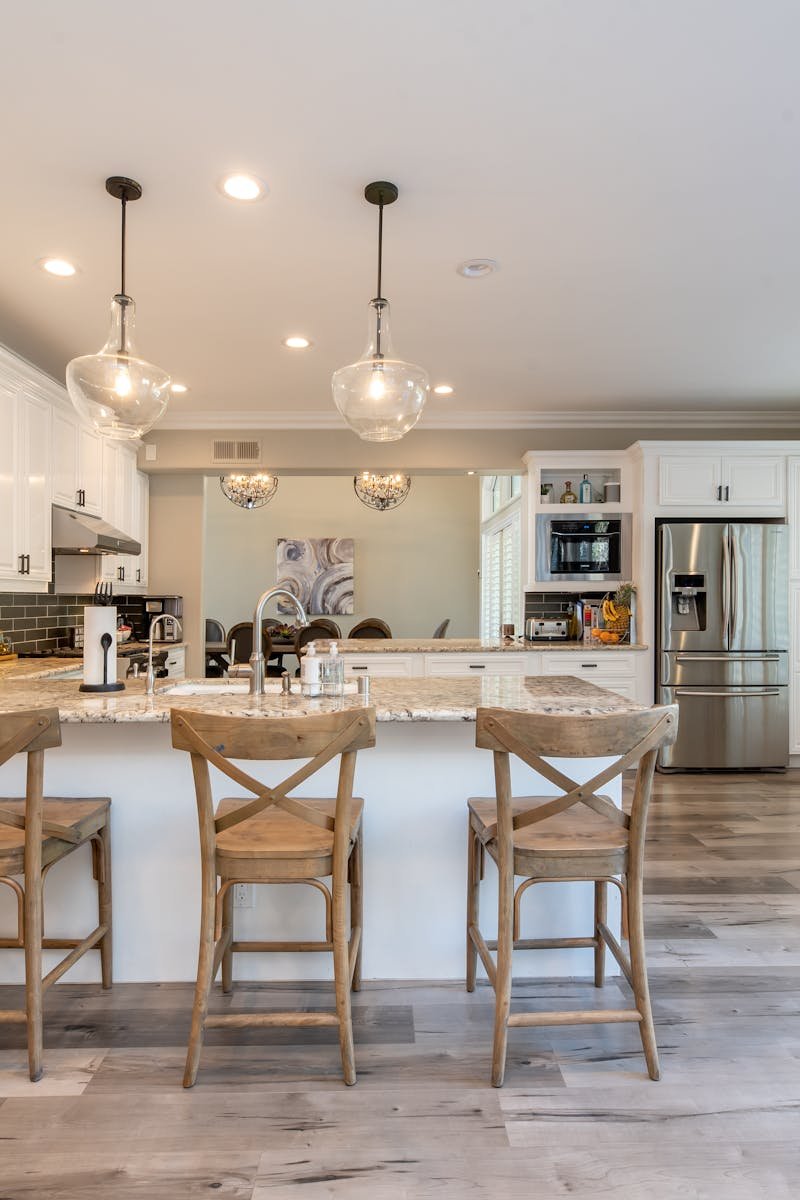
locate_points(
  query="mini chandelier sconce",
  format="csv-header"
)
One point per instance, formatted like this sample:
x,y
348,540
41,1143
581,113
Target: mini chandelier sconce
x,y
118,392
381,491
380,396
249,491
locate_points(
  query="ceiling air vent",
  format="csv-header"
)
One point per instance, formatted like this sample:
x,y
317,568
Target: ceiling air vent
x,y
234,453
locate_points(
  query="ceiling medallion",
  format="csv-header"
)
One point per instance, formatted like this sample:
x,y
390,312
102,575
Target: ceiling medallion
x,y
381,491
121,394
249,491
380,396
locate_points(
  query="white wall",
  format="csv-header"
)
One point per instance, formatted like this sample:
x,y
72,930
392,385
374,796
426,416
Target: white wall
x,y
414,565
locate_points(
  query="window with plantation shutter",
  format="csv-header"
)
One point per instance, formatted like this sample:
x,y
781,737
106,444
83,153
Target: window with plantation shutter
x,y
501,572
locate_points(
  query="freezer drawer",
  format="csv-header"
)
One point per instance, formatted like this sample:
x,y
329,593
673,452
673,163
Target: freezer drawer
x,y
723,669
728,728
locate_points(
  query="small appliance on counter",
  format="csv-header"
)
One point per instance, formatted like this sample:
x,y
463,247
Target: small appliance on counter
x,y
156,606
548,630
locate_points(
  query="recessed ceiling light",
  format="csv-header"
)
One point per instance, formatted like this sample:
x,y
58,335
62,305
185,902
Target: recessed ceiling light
x,y
243,187
178,389
58,267
477,268
470,472
443,389
297,343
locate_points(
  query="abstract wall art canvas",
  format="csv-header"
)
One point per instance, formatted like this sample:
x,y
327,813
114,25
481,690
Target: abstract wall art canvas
x,y
319,572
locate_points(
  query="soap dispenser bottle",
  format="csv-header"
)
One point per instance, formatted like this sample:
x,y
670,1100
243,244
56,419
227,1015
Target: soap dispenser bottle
x,y
309,672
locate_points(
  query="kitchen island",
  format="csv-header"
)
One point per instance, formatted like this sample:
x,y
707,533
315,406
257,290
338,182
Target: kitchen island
x,y
415,783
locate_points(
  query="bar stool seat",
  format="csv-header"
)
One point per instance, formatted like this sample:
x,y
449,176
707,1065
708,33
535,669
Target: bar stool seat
x,y
581,834
275,834
81,818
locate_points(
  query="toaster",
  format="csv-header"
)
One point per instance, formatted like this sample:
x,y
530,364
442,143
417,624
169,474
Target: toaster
x,y
546,629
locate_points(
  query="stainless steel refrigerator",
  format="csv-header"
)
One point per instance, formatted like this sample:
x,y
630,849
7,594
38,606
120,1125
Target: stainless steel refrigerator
x,y
722,622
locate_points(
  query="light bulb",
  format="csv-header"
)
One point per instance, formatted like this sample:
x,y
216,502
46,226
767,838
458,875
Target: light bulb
x,y
122,383
377,386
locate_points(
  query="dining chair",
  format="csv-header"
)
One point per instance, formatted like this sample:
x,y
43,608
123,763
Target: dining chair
x,y
578,835
370,627
277,838
36,832
215,630
240,646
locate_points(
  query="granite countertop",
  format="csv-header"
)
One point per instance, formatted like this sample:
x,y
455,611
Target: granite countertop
x,y
465,646
393,699
50,668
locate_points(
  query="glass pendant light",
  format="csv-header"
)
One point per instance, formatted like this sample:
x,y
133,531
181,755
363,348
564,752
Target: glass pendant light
x,y
381,491
118,392
380,396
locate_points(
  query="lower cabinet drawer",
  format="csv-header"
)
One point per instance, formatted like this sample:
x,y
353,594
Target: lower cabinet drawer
x,y
449,666
609,665
176,664
387,665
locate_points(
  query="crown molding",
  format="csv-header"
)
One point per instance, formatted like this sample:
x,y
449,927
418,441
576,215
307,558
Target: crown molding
x,y
592,419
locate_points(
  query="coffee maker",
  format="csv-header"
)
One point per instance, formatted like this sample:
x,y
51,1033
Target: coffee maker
x,y
156,606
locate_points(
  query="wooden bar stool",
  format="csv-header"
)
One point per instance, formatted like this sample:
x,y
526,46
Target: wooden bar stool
x,y
580,835
35,833
276,838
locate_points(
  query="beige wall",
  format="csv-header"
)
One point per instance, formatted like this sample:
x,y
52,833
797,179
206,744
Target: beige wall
x,y
177,522
414,565
331,451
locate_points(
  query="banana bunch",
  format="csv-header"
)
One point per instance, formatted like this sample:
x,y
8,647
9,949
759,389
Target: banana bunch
x,y
610,612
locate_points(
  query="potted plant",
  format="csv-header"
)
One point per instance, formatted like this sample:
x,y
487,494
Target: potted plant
x,y
545,493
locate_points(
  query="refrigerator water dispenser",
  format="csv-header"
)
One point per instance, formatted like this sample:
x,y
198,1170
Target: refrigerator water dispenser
x,y
689,599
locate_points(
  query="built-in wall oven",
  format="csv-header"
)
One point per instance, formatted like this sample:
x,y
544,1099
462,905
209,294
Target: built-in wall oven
x,y
585,547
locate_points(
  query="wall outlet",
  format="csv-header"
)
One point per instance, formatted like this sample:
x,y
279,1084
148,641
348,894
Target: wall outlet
x,y
243,895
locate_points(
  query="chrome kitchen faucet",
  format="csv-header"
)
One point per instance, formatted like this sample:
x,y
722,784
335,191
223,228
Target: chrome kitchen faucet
x,y
257,657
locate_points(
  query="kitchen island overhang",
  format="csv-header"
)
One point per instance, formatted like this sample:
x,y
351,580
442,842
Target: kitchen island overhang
x,y
415,784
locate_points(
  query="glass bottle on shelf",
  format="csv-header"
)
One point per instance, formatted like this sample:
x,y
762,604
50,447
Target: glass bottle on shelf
x,y
568,496
585,491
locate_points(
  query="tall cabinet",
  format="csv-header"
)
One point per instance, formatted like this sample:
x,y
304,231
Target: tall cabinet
x,y
48,456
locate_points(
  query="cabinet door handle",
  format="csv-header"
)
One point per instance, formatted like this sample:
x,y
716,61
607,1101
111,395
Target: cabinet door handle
x,y
138,575
22,564
592,665
121,574
477,666
727,492
356,667
719,491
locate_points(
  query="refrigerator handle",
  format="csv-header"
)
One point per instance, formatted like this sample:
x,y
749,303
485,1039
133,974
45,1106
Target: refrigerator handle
x,y
726,587
734,581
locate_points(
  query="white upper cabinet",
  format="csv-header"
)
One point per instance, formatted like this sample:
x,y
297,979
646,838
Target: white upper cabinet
x,y
703,480
137,567
689,480
9,485
25,490
34,511
77,464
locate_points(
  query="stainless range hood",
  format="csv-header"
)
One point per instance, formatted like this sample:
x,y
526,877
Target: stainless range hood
x,y
81,533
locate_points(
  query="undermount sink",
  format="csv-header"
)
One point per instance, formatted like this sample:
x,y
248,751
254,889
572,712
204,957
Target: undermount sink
x,y
215,687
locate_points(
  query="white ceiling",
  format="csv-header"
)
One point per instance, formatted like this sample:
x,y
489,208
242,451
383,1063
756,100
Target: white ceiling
x,y
633,165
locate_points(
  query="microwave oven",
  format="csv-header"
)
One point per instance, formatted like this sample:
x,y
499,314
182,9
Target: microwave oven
x,y
587,547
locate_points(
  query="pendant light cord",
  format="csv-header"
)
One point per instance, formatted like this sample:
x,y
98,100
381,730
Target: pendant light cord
x,y
379,297
123,340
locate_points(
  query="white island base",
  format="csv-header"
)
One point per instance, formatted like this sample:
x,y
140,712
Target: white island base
x,y
415,784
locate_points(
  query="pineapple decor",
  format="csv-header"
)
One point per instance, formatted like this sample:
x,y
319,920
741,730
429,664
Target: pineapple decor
x,y
617,612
